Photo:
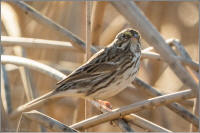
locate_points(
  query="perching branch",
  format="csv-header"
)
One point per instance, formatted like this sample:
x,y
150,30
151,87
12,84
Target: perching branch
x,y
134,119
36,43
122,123
118,113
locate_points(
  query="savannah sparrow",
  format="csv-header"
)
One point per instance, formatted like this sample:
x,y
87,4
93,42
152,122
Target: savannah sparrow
x,y
106,73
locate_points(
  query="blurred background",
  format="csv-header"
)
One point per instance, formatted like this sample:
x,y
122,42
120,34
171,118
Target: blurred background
x,y
177,20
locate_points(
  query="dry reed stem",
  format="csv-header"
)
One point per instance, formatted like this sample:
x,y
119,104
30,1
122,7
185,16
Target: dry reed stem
x,y
79,113
146,104
24,124
25,75
183,53
7,41
44,120
146,124
6,96
115,26
186,61
97,15
9,59
87,106
41,18
178,109
135,16
13,28
152,55
4,118
88,29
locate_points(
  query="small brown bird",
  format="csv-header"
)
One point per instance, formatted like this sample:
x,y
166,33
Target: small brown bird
x,y
105,74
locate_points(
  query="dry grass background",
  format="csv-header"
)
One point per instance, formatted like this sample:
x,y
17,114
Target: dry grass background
x,y
172,19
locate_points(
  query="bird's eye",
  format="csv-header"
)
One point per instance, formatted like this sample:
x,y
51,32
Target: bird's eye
x,y
123,35
136,36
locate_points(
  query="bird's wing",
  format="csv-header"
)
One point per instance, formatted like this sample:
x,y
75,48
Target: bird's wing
x,y
92,68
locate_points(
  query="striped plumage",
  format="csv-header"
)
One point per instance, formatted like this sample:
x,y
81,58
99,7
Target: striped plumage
x,y
106,73
109,71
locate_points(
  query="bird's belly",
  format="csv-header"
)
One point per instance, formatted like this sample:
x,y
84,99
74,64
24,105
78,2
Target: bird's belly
x,y
116,87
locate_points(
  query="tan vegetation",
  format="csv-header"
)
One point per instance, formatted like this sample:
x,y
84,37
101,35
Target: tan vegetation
x,y
63,34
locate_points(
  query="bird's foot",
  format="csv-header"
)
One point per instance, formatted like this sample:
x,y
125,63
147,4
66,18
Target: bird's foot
x,y
106,106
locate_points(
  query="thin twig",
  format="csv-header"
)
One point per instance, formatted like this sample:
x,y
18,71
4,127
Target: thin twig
x,y
88,29
180,110
87,106
118,113
135,16
36,14
24,124
6,96
44,120
181,50
9,59
186,61
152,55
36,43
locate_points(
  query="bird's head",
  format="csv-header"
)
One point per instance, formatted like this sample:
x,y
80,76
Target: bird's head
x,y
128,35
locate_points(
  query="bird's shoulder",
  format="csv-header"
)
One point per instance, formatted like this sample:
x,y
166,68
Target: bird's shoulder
x,y
95,66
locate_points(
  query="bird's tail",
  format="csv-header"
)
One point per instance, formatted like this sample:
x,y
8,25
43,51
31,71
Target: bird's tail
x,y
34,103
